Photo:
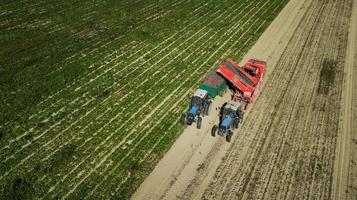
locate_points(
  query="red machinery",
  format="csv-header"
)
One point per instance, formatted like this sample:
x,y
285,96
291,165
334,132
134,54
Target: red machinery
x,y
245,80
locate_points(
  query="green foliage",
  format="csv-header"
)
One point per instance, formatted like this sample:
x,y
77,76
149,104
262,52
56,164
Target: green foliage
x,y
1,134
21,189
60,158
104,93
135,167
18,188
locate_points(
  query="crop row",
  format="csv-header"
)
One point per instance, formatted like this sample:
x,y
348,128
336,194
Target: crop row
x,y
47,130
16,82
63,98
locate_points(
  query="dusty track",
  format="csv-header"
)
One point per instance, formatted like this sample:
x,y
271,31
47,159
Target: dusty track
x,y
286,148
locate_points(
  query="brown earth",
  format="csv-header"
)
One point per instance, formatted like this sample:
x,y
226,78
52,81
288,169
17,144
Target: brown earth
x,y
287,145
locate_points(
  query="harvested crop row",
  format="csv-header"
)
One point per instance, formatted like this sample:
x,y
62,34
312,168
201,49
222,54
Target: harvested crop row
x,y
345,184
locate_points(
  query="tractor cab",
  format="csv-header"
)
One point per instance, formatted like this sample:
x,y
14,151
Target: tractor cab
x,y
225,125
199,106
198,98
231,116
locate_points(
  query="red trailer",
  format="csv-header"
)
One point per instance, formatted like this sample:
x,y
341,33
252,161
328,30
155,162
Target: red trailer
x,y
245,80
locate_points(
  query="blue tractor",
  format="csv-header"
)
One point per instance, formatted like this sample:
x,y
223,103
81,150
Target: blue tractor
x,y
231,115
200,106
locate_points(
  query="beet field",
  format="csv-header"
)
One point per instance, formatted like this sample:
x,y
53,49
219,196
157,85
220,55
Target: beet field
x,y
92,91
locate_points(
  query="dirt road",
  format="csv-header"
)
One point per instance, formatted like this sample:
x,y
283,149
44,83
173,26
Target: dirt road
x,y
286,147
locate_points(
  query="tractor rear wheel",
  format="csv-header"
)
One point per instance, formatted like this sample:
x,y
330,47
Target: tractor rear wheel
x,y
229,136
236,123
246,106
209,107
183,119
241,114
199,122
214,130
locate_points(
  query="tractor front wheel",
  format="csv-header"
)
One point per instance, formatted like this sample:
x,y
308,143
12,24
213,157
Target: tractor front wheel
x,y
199,122
214,130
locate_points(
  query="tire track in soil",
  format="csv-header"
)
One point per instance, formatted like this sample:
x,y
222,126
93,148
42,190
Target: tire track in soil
x,y
293,118
301,125
352,66
318,125
327,111
344,180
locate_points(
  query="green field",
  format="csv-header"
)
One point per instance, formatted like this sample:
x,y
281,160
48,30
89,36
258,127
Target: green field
x,y
92,91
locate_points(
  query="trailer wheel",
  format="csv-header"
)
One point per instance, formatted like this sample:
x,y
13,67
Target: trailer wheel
x,y
229,136
214,130
183,119
199,122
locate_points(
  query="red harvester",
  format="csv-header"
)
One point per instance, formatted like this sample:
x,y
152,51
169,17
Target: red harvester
x,y
245,80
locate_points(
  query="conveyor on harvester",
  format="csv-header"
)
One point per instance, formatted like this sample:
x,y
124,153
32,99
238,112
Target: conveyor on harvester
x,y
244,79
